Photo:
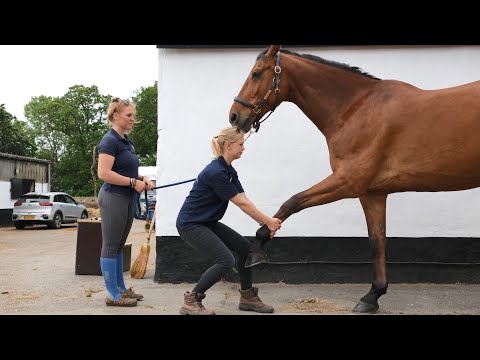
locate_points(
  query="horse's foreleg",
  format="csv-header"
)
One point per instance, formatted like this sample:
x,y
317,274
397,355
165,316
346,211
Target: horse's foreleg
x,y
332,188
374,207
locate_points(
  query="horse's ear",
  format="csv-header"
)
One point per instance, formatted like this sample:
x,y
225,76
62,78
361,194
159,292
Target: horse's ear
x,y
272,51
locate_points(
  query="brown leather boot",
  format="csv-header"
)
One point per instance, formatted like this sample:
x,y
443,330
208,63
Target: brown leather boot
x,y
249,301
193,305
131,294
122,301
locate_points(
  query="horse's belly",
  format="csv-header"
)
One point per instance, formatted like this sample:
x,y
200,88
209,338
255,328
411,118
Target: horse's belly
x,y
424,182
441,162
435,172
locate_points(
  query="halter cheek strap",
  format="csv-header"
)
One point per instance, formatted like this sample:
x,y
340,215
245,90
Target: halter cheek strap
x,y
257,109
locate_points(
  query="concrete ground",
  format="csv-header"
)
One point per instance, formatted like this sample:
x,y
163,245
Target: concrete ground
x,y
37,276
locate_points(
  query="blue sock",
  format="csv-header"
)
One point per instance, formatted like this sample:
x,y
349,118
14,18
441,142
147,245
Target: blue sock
x,y
109,271
120,281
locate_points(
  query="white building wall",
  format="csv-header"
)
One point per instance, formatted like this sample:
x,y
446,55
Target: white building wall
x,y
196,90
6,202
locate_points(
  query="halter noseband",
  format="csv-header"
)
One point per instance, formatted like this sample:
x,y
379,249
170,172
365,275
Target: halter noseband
x,y
257,109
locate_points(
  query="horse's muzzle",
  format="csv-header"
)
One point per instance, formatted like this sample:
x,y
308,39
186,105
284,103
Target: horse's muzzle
x,y
242,125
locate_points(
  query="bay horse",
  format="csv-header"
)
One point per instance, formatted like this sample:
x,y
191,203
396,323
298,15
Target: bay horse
x,y
383,137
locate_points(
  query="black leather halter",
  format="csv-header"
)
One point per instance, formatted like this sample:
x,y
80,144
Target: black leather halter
x,y
257,109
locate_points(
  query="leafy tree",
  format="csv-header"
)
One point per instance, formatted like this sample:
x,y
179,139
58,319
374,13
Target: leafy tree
x,y
81,183
16,137
84,124
68,129
144,133
45,115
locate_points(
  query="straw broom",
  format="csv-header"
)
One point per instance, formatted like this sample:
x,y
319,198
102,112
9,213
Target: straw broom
x,y
139,267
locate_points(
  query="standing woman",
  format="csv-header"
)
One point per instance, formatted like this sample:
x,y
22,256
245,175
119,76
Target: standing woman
x,y
118,168
198,224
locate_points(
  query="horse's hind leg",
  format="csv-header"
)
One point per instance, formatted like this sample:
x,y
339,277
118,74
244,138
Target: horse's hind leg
x,y
374,207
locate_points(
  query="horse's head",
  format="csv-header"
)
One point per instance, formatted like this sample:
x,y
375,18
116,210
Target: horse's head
x,y
259,93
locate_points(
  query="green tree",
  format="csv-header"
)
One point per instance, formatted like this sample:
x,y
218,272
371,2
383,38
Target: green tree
x,y
85,122
68,129
144,134
45,114
16,137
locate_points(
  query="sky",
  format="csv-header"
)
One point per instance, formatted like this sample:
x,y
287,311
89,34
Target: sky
x,y
28,71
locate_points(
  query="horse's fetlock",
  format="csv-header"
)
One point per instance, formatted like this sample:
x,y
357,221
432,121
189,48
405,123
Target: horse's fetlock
x,y
380,288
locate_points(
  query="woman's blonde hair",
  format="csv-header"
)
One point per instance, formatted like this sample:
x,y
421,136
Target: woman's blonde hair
x,y
227,135
118,105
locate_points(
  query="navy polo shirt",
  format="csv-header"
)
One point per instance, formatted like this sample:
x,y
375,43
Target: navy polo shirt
x,y
208,200
126,161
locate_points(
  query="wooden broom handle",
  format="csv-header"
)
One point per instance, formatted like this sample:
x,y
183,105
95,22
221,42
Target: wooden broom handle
x,y
152,224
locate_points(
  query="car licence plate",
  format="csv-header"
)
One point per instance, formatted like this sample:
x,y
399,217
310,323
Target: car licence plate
x,y
29,217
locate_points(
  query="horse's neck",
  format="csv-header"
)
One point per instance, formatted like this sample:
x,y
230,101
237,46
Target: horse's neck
x,y
324,93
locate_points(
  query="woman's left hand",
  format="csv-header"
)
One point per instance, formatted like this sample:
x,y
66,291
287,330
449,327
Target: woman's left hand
x,y
148,183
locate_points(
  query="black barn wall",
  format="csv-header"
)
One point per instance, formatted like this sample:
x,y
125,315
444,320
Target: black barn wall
x,y
303,260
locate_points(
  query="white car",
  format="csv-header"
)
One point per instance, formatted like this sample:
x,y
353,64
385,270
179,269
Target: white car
x,y
52,209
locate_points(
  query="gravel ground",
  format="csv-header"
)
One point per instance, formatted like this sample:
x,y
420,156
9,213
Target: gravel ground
x,y
37,276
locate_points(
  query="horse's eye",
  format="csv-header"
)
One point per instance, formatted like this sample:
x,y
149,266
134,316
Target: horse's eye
x,y
255,74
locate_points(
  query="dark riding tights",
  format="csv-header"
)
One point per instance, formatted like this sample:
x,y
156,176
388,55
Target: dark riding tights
x,y
215,243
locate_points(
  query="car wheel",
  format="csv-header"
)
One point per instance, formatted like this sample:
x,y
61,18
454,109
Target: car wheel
x,y
19,225
57,221
84,215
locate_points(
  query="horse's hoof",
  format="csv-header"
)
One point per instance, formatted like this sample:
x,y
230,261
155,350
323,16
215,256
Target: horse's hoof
x,y
255,258
365,308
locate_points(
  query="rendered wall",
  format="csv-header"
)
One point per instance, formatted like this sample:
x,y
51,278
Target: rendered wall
x,y
196,90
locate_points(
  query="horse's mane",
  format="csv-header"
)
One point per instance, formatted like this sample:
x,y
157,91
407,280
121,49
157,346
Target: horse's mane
x,y
320,60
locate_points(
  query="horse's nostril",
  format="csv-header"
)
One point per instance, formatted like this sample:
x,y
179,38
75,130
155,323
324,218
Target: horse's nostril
x,y
233,118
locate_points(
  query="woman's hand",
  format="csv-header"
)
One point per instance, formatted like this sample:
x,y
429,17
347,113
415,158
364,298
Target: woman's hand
x,y
140,186
273,224
148,183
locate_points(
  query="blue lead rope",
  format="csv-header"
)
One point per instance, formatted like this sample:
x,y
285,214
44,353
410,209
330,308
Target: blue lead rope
x,y
177,183
137,212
